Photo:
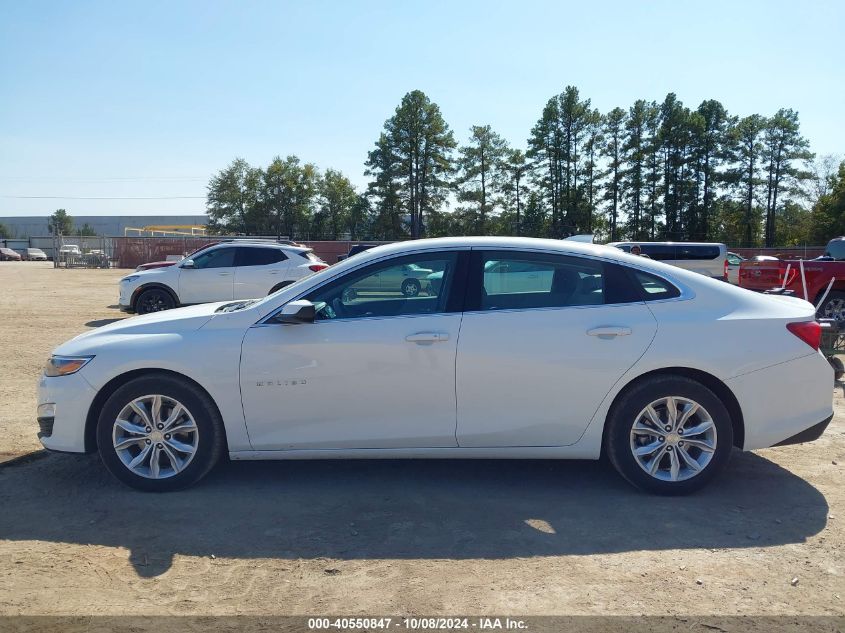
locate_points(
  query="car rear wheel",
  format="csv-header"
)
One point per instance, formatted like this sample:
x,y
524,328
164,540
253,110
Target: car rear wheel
x,y
833,307
159,433
411,287
154,300
669,435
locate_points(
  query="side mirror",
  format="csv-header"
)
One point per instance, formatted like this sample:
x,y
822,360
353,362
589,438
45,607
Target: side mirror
x,y
295,312
188,263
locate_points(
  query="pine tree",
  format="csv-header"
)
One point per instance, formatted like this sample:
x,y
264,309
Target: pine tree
x,y
748,144
421,142
634,156
614,123
783,144
481,175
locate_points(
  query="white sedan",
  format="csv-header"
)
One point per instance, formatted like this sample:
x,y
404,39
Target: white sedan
x,y
663,370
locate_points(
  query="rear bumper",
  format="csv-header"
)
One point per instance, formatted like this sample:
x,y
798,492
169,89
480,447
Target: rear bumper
x,y
807,435
785,401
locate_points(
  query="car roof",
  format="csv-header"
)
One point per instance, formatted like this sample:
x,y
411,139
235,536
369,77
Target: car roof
x,y
632,242
259,244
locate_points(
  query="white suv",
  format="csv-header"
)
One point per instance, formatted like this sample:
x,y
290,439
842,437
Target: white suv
x,y
222,272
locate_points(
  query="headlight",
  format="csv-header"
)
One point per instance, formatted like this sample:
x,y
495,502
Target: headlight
x,y
65,365
129,278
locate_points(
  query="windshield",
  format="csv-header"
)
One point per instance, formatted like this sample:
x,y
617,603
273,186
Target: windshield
x,y
835,249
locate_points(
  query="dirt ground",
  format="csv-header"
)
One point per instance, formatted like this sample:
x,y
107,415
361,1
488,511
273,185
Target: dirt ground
x,y
392,537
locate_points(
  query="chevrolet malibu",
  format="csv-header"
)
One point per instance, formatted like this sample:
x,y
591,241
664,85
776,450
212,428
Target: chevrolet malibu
x,y
663,370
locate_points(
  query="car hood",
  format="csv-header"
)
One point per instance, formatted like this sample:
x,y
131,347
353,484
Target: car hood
x,y
154,265
167,322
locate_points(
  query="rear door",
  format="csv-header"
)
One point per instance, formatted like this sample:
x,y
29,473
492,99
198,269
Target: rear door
x,y
258,269
210,279
535,361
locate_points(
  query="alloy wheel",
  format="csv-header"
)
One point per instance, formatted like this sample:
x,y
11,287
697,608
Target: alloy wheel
x,y
155,436
673,439
835,309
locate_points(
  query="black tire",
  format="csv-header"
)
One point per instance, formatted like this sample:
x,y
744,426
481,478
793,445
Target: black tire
x,y
623,417
411,287
838,367
210,435
154,300
833,307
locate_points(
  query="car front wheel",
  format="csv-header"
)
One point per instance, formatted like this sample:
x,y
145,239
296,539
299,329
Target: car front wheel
x,y
159,433
669,435
154,300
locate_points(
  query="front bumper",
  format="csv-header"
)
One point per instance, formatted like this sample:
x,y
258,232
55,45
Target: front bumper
x,y
72,396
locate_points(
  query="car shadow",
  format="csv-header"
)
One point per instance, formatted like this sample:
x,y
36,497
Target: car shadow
x,y
402,509
102,322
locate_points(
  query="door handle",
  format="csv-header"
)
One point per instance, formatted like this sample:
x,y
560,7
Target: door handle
x,y
224,274
427,337
275,272
609,331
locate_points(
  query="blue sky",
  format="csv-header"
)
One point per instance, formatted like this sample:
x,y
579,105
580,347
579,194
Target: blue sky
x,y
148,99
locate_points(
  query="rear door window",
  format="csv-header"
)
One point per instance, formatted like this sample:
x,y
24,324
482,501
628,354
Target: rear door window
x,y
513,280
257,256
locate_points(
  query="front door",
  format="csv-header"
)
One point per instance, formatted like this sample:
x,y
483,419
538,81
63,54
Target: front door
x,y
375,370
211,278
535,360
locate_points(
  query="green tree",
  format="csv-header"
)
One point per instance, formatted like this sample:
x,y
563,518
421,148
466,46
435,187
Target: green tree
x,y
481,175
60,223
554,146
287,196
710,152
337,200
653,170
635,155
360,218
590,172
86,230
783,146
828,215
516,169
384,190
674,134
747,138
232,197
4,231
614,124
418,138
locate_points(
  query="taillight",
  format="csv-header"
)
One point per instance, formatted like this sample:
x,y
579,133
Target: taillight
x,y
726,270
317,267
808,331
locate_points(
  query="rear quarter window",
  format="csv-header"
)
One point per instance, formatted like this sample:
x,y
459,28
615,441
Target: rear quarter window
x,y
652,287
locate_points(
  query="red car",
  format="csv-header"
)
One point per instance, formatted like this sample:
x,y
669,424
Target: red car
x,y
767,273
7,254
